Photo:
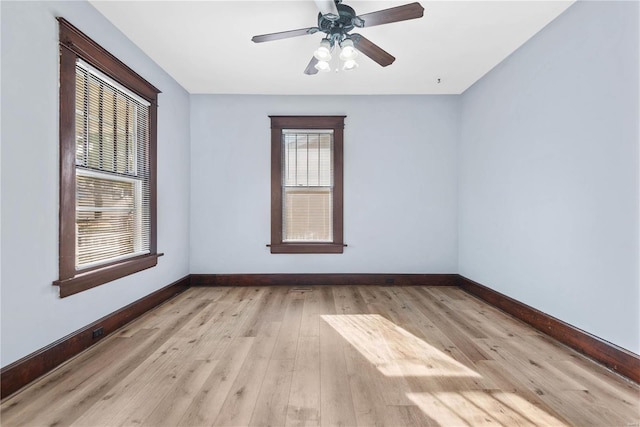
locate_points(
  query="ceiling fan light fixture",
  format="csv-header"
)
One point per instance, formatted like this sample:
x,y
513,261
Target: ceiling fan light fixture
x,y
348,52
336,20
323,52
350,64
323,66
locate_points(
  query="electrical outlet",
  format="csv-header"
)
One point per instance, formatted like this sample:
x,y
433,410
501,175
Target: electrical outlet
x,y
97,333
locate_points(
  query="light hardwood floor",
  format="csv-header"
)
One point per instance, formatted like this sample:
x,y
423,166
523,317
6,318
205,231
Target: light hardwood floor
x,y
395,356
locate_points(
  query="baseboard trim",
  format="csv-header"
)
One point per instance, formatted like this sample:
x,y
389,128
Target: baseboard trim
x,y
324,279
623,361
22,372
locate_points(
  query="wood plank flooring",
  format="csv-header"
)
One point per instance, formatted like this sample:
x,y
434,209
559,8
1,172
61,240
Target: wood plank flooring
x,y
325,356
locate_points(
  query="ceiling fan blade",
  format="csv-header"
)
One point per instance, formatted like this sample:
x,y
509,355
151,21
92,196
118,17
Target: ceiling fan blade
x,y
311,68
328,9
394,14
372,50
284,35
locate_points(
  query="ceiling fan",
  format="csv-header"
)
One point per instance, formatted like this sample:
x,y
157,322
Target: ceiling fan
x,y
336,20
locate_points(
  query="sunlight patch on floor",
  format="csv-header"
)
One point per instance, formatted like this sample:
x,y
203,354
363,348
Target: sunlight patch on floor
x,y
394,351
482,408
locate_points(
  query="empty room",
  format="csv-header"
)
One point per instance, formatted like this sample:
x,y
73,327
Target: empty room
x,y
320,213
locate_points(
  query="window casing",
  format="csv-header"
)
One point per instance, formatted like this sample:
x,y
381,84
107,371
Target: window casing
x,y
307,184
108,123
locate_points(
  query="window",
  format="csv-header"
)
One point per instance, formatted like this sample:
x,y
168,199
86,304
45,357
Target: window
x,y
306,184
108,120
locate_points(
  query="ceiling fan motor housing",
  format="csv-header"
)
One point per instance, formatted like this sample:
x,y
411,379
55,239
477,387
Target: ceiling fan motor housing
x,y
337,29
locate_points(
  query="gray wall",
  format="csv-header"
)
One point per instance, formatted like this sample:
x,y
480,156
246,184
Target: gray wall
x,y
548,164
33,315
399,184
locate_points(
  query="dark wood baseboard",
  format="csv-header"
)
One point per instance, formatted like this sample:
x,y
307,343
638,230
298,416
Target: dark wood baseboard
x,y
323,279
610,355
21,372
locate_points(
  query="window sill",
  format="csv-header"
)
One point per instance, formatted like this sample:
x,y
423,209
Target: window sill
x,y
90,279
307,248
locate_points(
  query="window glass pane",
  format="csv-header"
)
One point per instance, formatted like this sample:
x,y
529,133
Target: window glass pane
x,y
308,158
112,176
107,126
307,179
106,219
307,215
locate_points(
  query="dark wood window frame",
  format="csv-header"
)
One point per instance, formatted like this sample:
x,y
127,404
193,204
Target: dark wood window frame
x,y
278,123
73,45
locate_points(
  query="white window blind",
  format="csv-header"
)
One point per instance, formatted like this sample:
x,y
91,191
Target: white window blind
x,y
112,172
307,185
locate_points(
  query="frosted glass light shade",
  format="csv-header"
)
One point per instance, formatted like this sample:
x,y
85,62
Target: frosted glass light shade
x,y
349,65
323,66
323,52
348,50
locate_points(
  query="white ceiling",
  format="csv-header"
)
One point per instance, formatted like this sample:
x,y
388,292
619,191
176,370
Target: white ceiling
x,y
206,45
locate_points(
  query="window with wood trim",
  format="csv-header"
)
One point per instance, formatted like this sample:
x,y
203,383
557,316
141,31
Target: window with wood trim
x,y
108,121
307,184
